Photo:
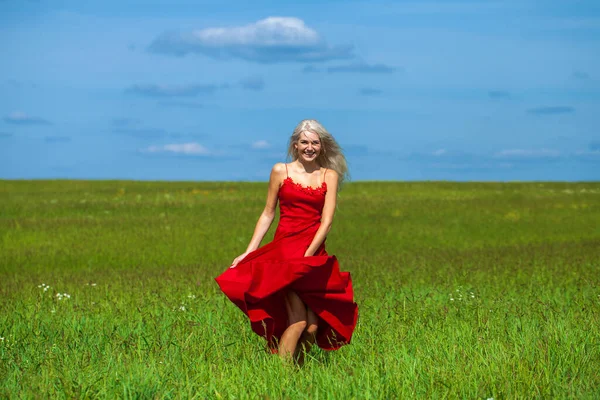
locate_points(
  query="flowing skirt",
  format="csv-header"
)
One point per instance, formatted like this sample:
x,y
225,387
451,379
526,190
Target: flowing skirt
x,y
258,285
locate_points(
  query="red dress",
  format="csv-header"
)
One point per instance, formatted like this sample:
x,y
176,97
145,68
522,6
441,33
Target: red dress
x,y
257,285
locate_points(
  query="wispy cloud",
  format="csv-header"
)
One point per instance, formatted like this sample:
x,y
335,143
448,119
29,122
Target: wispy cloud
x,y
253,83
445,155
270,40
551,110
528,154
370,92
21,118
593,155
362,68
190,90
499,94
509,158
194,149
261,145
486,166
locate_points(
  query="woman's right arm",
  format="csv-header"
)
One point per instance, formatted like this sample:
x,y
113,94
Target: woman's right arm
x,y
266,217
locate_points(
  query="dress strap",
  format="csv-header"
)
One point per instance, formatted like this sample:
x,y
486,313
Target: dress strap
x,y
286,171
324,173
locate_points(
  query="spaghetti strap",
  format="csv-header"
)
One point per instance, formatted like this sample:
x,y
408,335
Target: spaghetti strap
x,y
323,179
286,171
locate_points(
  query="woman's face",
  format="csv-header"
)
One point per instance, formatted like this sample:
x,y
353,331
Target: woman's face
x,y
308,146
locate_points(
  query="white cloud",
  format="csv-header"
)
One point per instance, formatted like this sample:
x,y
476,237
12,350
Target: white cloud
x,y
585,155
273,39
523,153
261,144
21,118
184,148
269,31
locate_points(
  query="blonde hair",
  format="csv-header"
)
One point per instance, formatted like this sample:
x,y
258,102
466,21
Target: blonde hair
x,y
331,155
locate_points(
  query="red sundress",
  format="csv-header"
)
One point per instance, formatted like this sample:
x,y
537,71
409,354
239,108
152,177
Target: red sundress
x,y
257,285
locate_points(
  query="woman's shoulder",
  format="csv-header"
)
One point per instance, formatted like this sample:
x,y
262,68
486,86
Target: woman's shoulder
x,y
329,173
279,167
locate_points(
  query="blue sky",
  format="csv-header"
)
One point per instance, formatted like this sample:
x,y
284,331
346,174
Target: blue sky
x,y
211,90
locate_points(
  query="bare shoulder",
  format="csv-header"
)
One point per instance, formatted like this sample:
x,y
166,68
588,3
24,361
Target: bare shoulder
x,y
331,178
278,173
331,175
278,168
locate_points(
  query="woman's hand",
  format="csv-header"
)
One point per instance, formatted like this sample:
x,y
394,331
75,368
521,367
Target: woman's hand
x,y
238,259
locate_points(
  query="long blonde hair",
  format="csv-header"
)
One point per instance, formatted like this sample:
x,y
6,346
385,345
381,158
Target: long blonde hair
x,y
331,155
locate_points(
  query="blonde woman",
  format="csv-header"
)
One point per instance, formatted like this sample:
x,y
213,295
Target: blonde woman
x,y
293,291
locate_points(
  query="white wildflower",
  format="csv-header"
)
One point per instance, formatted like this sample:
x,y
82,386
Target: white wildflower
x,y
44,287
61,296
182,308
191,296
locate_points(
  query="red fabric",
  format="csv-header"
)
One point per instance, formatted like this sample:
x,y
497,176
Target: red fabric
x,y
257,285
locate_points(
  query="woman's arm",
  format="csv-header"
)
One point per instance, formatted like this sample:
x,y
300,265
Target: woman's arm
x,y
266,217
331,178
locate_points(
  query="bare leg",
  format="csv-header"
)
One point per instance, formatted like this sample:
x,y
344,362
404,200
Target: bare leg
x,y
309,336
297,323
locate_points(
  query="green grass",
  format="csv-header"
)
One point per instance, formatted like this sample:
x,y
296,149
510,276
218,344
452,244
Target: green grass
x,y
465,290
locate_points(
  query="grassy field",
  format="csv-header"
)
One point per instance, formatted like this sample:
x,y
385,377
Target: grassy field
x,y
465,290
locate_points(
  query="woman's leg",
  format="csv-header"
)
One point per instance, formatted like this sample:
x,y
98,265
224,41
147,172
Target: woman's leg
x,y
309,336
297,323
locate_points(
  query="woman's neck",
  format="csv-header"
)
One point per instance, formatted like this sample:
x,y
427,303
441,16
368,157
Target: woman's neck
x,y
308,167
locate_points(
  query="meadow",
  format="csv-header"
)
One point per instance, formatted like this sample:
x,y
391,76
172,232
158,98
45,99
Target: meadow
x,y
465,290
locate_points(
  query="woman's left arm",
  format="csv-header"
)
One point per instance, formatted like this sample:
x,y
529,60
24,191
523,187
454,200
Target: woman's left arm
x,y
331,179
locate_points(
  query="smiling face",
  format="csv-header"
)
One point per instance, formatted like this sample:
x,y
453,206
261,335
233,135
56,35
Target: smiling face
x,y
308,146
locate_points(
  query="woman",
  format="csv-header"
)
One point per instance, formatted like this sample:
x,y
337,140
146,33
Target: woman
x,y
292,291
